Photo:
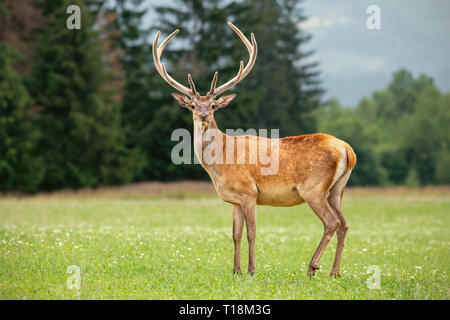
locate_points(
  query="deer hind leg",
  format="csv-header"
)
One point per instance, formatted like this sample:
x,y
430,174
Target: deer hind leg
x,y
249,208
319,204
238,225
335,199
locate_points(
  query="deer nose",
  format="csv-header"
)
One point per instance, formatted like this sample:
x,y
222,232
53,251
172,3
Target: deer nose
x,y
203,117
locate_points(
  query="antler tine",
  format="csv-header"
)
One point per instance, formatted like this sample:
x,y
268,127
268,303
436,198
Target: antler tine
x,y
191,83
241,35
255,49
157,51
243,72
213,83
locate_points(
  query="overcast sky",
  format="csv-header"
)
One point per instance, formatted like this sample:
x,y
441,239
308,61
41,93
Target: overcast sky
x,y
414,34
355,61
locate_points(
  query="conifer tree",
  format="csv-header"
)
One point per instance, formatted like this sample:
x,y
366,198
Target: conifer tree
x,y
82,140
141,98
20,165
284,84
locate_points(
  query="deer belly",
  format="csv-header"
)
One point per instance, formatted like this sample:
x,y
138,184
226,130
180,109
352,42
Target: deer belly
x,y
279,196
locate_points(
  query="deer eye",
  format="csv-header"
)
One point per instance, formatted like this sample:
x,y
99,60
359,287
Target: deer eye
x,y
214,106
192,106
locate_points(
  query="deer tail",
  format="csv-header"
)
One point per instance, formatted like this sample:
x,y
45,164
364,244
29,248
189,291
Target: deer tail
x,y
351,157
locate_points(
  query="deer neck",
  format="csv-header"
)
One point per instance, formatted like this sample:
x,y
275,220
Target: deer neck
x,y
200,142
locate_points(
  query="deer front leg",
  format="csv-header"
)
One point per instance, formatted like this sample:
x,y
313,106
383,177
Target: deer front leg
x,y
249,208
238,225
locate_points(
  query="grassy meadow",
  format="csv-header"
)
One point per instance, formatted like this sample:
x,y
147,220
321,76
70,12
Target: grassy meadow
x,y
178,245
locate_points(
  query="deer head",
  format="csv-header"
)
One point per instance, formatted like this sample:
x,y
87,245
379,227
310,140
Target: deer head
x,y
203,107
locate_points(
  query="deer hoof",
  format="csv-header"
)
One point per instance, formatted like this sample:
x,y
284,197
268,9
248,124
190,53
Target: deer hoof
x,y
335,274
312,269
237,271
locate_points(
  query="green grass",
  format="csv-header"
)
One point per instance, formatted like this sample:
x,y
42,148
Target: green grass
x,y
181,248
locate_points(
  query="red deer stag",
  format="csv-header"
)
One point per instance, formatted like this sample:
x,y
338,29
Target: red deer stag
x,y
312,168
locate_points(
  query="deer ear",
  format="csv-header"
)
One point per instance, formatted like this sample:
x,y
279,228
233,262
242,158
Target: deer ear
x,y
182,100
225,100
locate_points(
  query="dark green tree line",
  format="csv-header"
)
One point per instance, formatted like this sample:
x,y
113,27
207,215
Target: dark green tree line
x,y
83,108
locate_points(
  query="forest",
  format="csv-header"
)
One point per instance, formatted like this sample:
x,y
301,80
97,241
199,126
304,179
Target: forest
x,y
87,108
